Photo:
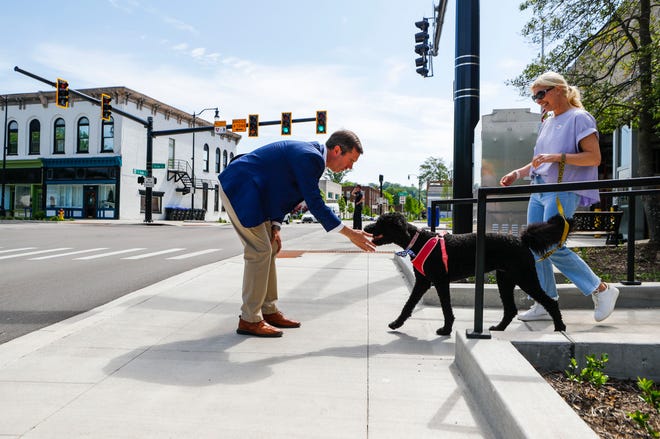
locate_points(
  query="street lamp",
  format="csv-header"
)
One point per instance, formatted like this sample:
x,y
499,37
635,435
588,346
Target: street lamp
x,y
194,116
419,192
4,159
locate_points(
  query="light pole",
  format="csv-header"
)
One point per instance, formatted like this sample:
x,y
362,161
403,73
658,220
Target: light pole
x,y
194,116
419,192
4,159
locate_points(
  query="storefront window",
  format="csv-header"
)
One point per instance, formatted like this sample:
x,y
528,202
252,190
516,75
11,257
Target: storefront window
x,y
83,136
106,196
58,136
22,197
64,195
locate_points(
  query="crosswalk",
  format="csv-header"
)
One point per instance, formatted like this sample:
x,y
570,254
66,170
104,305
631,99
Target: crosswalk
x,y
87,254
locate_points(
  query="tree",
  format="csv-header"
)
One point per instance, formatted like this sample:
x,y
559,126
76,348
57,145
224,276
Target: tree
x,y
336,177
434,169
610,50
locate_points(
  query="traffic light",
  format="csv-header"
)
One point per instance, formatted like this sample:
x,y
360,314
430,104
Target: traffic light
x,y
422,47
286,124
140,179
321,122
106,108
253,127
62,93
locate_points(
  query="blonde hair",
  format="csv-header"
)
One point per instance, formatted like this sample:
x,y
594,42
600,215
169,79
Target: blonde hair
x,y
553,79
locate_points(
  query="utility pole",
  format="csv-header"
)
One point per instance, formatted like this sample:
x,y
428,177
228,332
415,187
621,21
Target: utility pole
x,y
466,108
4,158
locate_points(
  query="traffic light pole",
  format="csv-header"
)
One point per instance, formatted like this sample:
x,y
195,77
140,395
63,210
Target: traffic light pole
x,y
466,108
149,125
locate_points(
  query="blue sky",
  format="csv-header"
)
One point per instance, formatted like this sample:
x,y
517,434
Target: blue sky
x,y
354,59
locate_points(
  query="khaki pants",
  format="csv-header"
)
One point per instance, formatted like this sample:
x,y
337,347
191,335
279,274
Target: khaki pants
x,y
259,275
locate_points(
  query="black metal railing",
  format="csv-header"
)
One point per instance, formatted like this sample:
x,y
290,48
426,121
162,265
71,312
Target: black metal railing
x,y
512,193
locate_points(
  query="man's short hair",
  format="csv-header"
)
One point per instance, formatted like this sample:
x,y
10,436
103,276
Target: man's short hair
x,y
347,141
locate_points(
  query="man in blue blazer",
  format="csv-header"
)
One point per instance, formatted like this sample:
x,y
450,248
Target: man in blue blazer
x,y
257,189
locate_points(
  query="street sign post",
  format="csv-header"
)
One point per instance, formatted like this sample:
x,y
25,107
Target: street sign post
x,y
158,166
140,172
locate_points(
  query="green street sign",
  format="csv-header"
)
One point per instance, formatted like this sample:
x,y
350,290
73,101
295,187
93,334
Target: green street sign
x,y
140,172
158,166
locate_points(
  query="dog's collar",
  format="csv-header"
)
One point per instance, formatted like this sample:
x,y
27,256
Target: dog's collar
x,y
407,251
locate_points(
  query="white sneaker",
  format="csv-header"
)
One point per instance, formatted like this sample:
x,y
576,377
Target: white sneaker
x,y
604,302
536,312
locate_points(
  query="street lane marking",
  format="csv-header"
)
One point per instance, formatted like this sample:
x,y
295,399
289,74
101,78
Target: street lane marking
x,y
102,255
68,253
35,252
192,255
162,252
16,249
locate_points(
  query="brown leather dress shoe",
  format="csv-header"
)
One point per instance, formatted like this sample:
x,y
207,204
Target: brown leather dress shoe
x,y
277,319
258,329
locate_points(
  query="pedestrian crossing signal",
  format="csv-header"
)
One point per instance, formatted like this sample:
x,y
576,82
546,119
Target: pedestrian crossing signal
x,y
321,122
62,93
253,125
286,124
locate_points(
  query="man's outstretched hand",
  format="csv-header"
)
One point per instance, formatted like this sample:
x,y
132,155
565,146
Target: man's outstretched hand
x,y
360,238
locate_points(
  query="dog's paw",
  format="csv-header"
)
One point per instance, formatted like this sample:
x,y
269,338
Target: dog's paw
x,y
395,324
497,328
443,331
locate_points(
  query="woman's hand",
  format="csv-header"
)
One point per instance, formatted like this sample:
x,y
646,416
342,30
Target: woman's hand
x,y
545,158
509,178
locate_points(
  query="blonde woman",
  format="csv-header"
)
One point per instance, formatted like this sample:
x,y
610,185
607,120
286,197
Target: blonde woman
x,y
569,133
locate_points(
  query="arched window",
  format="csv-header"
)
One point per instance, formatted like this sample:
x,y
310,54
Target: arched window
x,y
217,160
108,140
12,147
231,156
59,130
224,159
82,142
206,157
35,137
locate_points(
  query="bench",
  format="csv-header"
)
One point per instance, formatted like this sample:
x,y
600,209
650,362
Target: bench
x,y
598,222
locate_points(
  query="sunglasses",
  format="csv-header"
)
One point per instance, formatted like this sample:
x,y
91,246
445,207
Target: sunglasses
x,y
541,94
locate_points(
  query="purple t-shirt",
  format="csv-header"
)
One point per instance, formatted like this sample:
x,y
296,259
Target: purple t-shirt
x,y
562,134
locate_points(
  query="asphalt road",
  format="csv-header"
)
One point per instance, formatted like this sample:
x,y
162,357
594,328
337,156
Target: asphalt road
x,y
52,271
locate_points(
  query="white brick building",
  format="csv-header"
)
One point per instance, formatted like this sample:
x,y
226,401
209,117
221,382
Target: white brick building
x,y
68,158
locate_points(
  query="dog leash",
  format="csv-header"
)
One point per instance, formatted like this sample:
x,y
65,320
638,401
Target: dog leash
x,y
560,209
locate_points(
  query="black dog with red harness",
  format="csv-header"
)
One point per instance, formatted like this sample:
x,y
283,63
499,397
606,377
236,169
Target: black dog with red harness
x,y
441,260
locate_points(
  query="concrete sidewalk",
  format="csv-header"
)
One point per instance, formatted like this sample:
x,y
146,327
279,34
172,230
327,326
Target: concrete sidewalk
x,y
166,362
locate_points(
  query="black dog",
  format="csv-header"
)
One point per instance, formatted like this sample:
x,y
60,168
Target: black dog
x,y
509,255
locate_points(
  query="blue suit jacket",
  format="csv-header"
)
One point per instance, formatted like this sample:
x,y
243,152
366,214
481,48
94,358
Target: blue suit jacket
x,y
270,181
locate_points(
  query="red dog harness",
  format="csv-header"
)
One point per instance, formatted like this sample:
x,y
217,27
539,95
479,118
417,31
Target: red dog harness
x,y
418,261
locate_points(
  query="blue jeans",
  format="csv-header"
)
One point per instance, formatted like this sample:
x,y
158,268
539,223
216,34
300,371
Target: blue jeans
x,y
543,206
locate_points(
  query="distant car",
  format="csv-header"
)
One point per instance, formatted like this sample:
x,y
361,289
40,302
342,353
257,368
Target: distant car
x,y
287,218
368,218
308,218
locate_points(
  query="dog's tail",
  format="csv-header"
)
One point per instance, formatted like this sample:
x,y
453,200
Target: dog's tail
x,y
539,237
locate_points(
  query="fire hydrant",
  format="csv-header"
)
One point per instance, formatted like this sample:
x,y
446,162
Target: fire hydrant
x,y
60,214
